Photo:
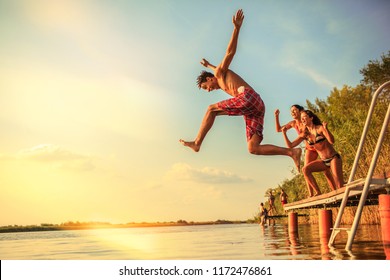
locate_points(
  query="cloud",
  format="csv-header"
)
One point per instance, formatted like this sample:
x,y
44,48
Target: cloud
x,y
58,157
315,76
184,172
300,61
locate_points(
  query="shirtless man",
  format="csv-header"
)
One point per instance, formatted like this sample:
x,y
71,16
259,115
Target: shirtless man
x,y
244,102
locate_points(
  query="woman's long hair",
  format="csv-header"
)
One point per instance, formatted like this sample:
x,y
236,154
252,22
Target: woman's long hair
x,y
299,107
316,119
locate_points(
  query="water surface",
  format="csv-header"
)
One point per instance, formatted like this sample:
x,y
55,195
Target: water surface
x,y
208,242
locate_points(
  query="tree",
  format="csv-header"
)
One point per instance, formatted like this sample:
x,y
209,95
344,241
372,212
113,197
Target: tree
x,y
376,72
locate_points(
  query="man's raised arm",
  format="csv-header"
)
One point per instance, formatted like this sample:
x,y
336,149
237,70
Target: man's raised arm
x,y
238,19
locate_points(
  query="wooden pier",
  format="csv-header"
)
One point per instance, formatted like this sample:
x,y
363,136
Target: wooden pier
x,y
334,198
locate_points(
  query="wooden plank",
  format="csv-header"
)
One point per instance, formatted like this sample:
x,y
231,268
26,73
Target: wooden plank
x,y
285,216
336,196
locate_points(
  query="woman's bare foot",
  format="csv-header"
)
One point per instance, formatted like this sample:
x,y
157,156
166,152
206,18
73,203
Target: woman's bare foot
x,y
190,144
296,156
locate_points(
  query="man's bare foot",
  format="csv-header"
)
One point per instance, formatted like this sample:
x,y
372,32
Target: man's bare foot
x,y
296,156
190,144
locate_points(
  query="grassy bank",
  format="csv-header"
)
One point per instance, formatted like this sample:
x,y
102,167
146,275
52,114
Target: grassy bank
x,y
99,225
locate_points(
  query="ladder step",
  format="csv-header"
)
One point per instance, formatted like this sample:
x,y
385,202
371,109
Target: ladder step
x,y
340,229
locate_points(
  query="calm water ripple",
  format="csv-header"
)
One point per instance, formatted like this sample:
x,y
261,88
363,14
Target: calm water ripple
x,y
211,242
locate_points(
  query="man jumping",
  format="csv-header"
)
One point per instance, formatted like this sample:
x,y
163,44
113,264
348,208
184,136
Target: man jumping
x,y
245,102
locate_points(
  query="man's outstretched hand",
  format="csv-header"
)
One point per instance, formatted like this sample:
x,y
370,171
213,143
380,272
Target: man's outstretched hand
x,y
204,62
238,18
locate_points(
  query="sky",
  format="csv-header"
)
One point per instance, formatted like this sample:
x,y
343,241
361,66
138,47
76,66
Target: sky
x,y
96,94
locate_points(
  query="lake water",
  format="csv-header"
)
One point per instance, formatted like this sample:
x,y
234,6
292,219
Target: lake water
x,y
209,242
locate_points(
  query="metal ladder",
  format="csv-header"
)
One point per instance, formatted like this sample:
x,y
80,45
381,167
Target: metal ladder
x,y
367,182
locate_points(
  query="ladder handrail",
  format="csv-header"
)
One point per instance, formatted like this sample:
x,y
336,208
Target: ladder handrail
x,y
368,180
369,174
365,130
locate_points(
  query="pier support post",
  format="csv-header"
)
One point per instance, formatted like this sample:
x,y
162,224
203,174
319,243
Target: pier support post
x,y
292,222
325,222
384,212
294,242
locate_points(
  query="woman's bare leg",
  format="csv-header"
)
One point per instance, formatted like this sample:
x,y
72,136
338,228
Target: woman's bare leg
x,y
337,170
308,170
311,156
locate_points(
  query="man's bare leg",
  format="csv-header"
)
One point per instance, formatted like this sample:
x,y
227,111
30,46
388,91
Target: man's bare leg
x,y
208,120
256,148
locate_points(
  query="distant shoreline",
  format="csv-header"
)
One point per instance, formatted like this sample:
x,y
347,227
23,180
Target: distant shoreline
x,y
94,225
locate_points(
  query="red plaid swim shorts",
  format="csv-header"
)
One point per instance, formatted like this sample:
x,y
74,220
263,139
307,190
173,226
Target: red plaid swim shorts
x,y
250,105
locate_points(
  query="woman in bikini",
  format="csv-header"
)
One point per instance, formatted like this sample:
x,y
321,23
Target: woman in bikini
x,y
318,136
311,153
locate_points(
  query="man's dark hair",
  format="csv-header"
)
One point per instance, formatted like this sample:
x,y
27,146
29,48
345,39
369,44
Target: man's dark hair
x,y
202,77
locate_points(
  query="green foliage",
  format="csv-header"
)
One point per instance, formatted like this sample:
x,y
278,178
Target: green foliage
x,y
346,110
376,72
